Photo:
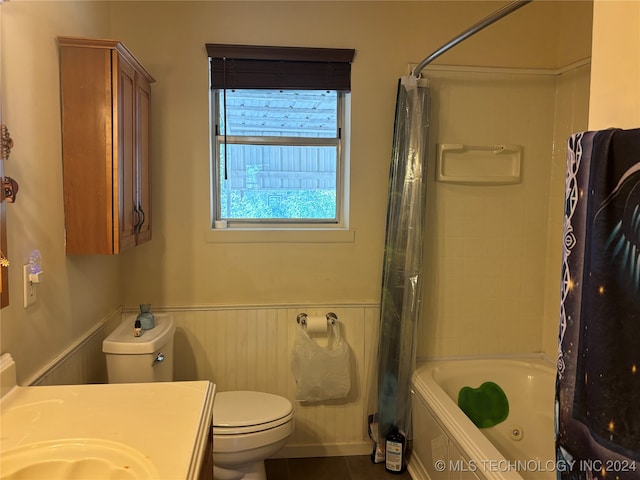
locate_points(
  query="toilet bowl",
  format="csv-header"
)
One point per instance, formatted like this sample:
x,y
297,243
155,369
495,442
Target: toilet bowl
x,y
248,426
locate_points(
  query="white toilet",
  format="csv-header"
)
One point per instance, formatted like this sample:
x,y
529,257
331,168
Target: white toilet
x,y
248,427
147,358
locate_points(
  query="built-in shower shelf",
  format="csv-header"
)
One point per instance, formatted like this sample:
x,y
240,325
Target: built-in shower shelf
x,y
479,164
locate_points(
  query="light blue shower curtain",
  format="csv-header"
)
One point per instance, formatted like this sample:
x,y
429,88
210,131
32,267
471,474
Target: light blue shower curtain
x,y
402,277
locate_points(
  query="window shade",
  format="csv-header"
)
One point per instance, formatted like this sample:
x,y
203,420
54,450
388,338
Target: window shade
x,y
247,66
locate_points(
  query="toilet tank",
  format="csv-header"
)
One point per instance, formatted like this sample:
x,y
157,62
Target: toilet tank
x,y
147,358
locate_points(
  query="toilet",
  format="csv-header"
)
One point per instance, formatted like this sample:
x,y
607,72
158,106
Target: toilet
x,y
147,358
248,426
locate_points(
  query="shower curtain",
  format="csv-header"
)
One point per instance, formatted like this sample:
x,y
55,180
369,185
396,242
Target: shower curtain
x,y
598,382
402,264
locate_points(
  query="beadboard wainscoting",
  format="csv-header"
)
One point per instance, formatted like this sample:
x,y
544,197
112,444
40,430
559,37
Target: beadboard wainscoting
x,y
249,348
83,361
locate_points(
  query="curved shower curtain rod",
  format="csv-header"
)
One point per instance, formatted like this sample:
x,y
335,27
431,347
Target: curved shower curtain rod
x,y
497,15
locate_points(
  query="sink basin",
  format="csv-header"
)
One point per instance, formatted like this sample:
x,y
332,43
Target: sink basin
x,y
76,458
103,431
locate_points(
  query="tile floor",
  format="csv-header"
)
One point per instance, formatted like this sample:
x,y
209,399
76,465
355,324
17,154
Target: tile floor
x,y
329,468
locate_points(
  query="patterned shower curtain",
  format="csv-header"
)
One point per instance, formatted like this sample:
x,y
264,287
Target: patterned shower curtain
x,y
598,382
402,265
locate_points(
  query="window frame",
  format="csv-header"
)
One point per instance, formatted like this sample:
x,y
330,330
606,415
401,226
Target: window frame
x,y
219,139
277,57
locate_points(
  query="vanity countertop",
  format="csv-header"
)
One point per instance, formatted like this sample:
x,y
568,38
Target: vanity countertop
x,y
167,423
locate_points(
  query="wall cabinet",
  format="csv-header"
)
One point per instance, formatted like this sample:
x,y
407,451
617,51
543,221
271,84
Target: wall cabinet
x,y
106,100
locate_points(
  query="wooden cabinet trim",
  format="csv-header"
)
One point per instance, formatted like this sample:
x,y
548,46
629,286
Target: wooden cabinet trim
x,y
106,44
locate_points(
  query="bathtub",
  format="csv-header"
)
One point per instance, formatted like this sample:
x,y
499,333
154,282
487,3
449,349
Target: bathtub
x,y
447,445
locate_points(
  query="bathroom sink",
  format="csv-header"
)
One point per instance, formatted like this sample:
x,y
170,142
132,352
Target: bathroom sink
x,y
103,431
75,458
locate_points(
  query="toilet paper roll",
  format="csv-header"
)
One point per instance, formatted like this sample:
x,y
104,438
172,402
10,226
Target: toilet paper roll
x,y
317,324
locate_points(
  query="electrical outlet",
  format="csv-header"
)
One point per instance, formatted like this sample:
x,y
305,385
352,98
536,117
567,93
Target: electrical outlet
x,y
29,287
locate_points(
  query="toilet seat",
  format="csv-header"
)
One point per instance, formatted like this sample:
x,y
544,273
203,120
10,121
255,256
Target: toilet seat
x,y
241,412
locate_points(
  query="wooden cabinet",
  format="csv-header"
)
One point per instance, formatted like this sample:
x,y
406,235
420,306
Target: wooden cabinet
x,y
106,99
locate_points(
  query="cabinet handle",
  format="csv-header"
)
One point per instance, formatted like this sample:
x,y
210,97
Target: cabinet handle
x,y
143,219
136,225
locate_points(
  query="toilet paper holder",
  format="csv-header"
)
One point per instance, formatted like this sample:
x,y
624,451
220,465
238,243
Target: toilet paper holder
x,y
332,318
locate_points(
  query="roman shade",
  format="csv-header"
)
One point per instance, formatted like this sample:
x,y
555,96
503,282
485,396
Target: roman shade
x,y
265,67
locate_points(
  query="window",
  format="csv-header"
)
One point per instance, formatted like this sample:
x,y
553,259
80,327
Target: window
x,y
278,138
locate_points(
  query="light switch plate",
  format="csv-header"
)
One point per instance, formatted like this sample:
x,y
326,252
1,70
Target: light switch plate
x,y
29,288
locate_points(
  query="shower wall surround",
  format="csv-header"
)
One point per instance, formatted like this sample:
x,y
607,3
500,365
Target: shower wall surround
x,y
494,253
571,115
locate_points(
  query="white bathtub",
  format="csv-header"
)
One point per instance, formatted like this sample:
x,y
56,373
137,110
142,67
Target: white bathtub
x,y
447,445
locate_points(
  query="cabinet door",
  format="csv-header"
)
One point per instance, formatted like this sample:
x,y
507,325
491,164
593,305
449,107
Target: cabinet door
x,y
88,149
143,179
127,216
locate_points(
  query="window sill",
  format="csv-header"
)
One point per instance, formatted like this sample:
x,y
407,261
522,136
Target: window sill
x,y
280,235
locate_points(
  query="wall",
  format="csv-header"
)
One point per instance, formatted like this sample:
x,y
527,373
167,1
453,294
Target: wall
x,y
487,266
614,101
249,349
571,116
615,97
215,287
77,292
219,290
485,276
169,37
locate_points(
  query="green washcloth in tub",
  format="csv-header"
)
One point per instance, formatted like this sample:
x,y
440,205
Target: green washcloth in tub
x,y
486,405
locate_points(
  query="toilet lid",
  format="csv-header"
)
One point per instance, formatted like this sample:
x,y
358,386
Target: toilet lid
x,y
245,409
